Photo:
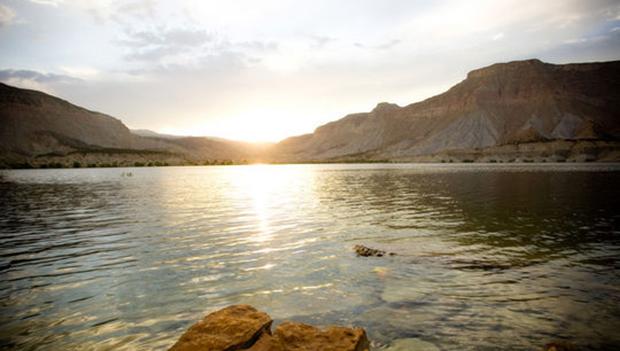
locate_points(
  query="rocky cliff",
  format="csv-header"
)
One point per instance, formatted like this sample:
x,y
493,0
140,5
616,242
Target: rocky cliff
x,y
556,109
516,111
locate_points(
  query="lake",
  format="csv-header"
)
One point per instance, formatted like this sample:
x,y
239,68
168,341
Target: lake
x,y
494,256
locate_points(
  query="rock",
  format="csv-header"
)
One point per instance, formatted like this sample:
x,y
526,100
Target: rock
x,y
302,337
242,327
268,342
232,328
411,344
364,251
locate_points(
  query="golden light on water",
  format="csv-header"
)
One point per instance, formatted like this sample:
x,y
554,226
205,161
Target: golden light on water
x,y
265,187
262,182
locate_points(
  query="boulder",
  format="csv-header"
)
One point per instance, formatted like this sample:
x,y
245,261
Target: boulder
x,y
242,327
302,337
235,327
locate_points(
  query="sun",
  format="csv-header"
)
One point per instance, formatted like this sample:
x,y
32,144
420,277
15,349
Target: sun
x,y
257,127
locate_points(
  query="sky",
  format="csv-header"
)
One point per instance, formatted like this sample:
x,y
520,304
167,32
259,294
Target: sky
x,y
266,70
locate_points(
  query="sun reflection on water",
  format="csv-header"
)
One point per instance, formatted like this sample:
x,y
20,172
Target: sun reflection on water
x,y
262,184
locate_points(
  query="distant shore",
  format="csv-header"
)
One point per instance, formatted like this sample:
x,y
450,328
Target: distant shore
x,y
535,152
77,165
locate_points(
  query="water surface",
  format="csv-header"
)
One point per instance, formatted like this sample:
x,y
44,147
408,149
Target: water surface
x,y
489,256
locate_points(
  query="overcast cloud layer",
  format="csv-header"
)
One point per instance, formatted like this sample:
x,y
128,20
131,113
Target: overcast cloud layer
x,y
265,70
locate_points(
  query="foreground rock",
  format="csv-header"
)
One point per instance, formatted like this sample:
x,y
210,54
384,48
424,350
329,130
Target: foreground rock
x,y
242,327
232,328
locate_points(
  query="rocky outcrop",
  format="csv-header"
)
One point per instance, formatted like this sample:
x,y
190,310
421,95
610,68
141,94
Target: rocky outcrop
x,y
242,327
506,104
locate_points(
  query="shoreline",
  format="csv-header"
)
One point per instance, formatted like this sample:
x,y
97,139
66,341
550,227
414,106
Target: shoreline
x,y
73,165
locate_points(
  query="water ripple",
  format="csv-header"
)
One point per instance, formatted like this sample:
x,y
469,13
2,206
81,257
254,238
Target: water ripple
x,y
512,255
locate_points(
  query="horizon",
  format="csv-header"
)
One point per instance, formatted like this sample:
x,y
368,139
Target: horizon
x,y
138,131
202,68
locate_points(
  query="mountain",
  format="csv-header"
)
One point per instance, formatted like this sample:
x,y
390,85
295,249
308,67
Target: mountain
x,y
151,134
516,110
37,128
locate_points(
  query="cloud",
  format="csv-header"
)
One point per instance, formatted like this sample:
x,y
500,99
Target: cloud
x,y
163,49
48,2
28,79
159,44
138,8
7,15
586,48
256,45
7,74
319,41
80,72
170,37
498,36
388,45
384,46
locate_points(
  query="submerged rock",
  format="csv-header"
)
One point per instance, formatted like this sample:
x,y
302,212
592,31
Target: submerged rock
x,y
364,251
242,327
411,344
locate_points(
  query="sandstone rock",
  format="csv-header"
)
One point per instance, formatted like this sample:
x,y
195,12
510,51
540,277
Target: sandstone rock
x,y
268,342
303,337
242,327
233,328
